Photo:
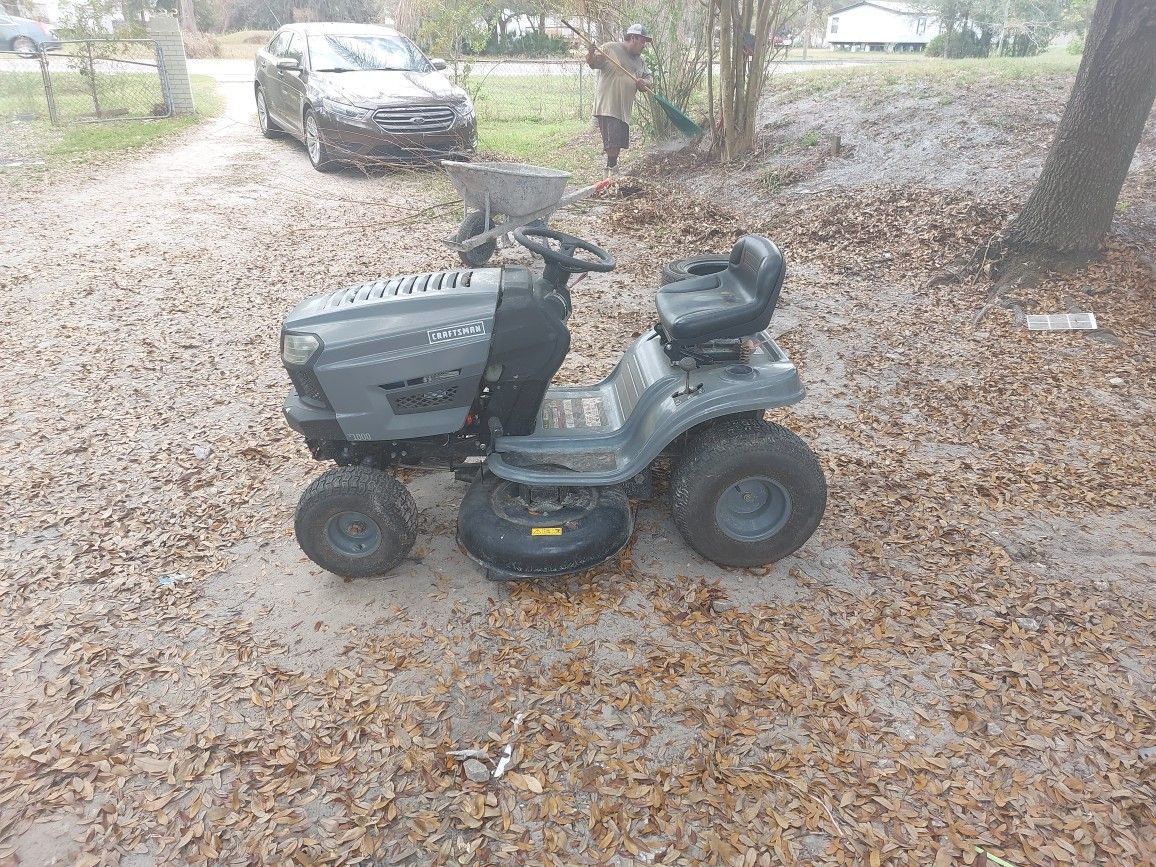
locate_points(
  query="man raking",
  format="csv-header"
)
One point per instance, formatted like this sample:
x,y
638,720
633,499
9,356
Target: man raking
x,y
621,75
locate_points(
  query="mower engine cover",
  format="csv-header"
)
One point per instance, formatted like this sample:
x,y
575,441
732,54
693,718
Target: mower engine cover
x,y
391,359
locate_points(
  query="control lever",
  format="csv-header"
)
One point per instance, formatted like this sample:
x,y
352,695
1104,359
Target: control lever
x,y
687,365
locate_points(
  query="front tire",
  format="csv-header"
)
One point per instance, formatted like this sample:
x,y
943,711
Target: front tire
x,y
25,46
747,492
268,128
315,143
356,522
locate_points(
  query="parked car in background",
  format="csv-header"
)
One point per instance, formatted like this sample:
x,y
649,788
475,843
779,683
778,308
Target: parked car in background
x,y
355,92
25,36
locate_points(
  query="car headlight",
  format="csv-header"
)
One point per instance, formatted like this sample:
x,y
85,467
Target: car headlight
x,y
296,349
342,109
465,110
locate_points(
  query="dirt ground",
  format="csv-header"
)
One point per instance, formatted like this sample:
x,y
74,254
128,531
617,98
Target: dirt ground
x,y
960,657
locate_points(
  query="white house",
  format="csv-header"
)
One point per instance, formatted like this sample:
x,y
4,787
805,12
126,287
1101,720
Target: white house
x,y
881,25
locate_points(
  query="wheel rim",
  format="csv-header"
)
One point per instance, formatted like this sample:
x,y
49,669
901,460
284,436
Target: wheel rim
x,y
262,111
313,139
24,45
353,534
753,509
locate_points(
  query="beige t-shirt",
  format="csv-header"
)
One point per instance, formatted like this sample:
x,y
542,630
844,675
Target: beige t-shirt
x,y
616,89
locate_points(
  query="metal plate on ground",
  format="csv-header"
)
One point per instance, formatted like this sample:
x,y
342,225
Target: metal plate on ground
x,y
1063,322
574,413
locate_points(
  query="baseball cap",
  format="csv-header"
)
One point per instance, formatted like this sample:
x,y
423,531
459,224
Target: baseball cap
x,y
638,30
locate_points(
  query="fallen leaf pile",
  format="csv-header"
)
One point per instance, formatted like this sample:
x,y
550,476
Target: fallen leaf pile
x,y
658,211
869,231
961,656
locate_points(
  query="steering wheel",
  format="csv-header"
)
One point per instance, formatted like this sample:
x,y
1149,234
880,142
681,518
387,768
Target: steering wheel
x,y
568,245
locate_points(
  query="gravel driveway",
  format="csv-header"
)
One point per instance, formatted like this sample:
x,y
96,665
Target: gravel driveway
x,y
181,686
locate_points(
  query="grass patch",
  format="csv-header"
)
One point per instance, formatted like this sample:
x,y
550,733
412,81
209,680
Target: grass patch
x,y
246,37
242,45
125,135
537,119
42,140
929,73
550,144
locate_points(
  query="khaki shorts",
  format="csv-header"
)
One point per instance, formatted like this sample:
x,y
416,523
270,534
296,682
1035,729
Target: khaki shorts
x,y
615,133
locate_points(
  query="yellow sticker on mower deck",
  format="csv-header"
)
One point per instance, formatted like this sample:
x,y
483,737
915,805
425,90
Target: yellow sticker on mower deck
x,y
545,531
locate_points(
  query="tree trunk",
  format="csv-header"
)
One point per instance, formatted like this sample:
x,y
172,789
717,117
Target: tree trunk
x,y
188,17
1071,208
710,75
727,73
743,68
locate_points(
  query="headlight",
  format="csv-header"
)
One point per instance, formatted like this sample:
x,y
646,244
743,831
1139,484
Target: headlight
x,y
296,349
465,110
341,109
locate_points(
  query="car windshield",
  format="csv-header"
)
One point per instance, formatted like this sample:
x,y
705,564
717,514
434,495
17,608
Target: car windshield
x,y
342,53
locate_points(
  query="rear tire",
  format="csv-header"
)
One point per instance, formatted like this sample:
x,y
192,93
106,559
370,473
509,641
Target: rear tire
x,y
693,266
473,225
268,128
747,492
356,522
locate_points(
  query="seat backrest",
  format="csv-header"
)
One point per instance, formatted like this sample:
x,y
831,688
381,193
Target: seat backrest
x,y
757,266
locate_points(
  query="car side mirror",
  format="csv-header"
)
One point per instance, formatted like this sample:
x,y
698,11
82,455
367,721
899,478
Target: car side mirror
x,y
438,63
289,64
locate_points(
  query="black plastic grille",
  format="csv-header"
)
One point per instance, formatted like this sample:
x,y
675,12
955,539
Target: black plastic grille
x,y
423,401
415,119
308,388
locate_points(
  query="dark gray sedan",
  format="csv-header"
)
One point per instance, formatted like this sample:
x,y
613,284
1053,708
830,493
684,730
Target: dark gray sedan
x,y
25,36
356,92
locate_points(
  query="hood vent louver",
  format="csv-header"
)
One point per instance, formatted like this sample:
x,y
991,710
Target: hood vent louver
x,y
409,284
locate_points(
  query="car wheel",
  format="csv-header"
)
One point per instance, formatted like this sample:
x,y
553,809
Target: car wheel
x,y
268,128
25,46
746,492
475,224
694,266
315,143
356,522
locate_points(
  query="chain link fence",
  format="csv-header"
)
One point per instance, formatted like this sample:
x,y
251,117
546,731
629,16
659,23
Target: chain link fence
x,y
518,89
553,91
23,89
85,81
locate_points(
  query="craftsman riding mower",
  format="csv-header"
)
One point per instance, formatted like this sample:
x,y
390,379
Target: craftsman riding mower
x,y
452,370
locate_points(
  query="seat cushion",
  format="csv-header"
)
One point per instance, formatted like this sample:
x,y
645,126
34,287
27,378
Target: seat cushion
x,y
737,302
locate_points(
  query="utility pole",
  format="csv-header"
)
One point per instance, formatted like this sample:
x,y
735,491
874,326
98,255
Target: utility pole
x,y
807,27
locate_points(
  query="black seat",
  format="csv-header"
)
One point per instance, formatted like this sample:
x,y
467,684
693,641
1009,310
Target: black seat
x,y
737,302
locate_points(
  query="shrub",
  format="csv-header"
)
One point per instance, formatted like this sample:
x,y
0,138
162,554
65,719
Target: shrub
x,y
201,45
963,44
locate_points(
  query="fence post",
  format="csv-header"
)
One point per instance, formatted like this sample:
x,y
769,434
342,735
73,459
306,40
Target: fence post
x,y
49,97
92,81
166,89
174,69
